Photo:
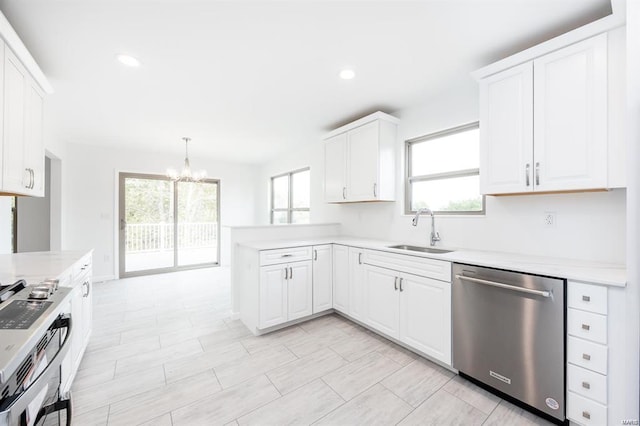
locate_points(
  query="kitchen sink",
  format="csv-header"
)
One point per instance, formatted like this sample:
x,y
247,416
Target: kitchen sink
x,y
420,249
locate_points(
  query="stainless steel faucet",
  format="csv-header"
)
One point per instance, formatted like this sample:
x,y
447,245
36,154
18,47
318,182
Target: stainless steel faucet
x,y
435,236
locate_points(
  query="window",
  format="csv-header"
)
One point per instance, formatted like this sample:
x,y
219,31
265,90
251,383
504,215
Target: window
x,y
443,172
290,197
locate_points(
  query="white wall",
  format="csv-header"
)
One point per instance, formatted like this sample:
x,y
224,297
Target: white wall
x,y
5,225
34,218
90,197
590,226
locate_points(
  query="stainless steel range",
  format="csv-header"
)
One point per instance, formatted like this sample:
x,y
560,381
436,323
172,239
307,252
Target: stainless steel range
x,y
35,335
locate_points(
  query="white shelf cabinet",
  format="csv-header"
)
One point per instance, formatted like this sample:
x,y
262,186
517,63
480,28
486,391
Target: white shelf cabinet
x,y
360,160
322,278
543,124
22,133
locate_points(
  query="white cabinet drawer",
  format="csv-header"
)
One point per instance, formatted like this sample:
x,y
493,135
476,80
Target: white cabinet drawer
x,y
592,356
587,383
587,325
588,297
584,411
422,266
293,254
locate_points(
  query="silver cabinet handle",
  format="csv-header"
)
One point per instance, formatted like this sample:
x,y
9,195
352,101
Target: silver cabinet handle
x,y
33,178
26,185
586,327
586,298
287,255
542,293
344,192
526,174
359,258
375,187
315,254
537,173
586,357
290,272
401,289
586,385
286,273
586,414
395,283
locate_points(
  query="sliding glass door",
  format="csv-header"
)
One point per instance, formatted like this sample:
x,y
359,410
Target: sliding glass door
x,y
166,225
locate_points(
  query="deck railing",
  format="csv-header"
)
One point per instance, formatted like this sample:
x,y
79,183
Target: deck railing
x,y
147,237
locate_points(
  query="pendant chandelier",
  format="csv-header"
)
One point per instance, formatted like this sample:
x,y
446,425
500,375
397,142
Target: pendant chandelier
x,y
186,175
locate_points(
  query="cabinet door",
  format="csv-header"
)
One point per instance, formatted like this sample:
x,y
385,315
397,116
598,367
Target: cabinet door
x,y
273,295
382,293
34,142
362,160
300,290
425,316
506,132
356,284
570,90
322,278
335,167
341,278
14,176
87,308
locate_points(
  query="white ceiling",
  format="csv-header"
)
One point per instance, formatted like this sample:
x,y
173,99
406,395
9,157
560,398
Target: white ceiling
x,y
248,80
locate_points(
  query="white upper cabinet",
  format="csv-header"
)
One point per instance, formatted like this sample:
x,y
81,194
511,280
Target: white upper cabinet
x,y
570,117
360,160
22,103
543,124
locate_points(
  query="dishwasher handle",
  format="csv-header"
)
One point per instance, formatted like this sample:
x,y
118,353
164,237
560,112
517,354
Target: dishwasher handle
x,y
542,293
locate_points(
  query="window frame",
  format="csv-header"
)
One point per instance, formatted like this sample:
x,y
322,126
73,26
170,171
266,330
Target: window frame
x,y
290,209
409,179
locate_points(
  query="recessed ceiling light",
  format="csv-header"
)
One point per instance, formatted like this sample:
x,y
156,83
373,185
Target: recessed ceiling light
x,y
347,74
128,60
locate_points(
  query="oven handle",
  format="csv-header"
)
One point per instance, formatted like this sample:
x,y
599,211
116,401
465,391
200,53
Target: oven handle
x,y
542,293
21,403
61,404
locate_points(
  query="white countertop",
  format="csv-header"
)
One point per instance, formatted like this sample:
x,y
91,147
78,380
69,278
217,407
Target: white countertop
x,y
571,269
36,266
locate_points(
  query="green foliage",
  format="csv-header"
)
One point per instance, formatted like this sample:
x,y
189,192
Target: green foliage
x,y
472,205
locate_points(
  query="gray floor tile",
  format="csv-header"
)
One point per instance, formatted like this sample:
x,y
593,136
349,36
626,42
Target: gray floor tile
x,y
316,340
417,381
220,337
508,414
356,346
163,399
228,404
236,371
304,370
200,362
302,407
97,417
88,377
164,420
159,356
361,374
97,358
376,406
254,344
397,353
444,409
472,394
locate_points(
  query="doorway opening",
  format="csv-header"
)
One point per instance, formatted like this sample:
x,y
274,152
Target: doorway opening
x,y
167,225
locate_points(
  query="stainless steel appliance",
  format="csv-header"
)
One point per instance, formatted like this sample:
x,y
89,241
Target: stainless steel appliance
x,y
509,334
35,335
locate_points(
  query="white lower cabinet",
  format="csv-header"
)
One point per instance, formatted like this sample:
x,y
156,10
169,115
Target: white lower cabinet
x,y
285,293
341,278
381,296
425,315
322,278
413,309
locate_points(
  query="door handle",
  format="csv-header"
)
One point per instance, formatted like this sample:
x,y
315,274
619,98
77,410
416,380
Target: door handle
x,y
526,173
359,258
315,255
286,273
290,272
401,285
542,293
344,192
395,283
375,187
537,173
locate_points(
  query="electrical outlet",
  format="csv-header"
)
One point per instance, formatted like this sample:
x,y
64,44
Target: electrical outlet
x,y
549,219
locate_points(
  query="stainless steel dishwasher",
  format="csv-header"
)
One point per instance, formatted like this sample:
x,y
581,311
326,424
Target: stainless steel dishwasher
x,y
509,333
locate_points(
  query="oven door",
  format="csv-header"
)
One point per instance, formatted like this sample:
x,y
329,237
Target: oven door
x,y
39,402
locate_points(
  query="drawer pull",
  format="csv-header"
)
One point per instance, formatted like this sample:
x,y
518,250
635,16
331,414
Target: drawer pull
x,y
586,357
586,385
586,327
586,298
286,255
586,415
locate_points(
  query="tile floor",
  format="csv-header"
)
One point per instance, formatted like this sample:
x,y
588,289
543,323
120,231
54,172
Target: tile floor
x,y
165,352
